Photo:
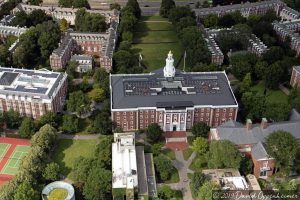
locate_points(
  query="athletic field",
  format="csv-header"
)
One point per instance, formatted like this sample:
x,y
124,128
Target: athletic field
x,y
12,151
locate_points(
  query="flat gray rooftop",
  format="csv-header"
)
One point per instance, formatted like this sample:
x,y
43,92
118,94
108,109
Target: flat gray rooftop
x,y
184,90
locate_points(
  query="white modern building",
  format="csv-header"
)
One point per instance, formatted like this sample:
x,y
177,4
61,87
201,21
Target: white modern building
x,y
124,165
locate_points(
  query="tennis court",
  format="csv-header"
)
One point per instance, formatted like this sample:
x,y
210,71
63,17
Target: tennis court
x,y
12,164
3,149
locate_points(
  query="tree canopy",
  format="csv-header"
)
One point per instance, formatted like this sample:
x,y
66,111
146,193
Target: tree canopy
x,y
154,132
89,22
164,167
284,148
206,191
27,128
223,154
74,3
200,129
165,7
78,102
197,181
200,145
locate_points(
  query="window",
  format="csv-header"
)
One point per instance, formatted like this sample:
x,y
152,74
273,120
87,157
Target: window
x,y
207,119
152,111
124,117
118,118
131,117
131,122
124,113
207,114
152,116
118,123
224,110
152,120
217,115
131,113
146,116
202,114
141,121
118,113
146,121
231,109
131,127
196,115
230,114
202,109
141,116
218,110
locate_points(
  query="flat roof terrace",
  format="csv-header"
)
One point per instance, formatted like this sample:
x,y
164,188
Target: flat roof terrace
x,y
153,89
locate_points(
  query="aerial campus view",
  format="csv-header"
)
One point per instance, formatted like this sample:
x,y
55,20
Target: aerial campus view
x,y
149,99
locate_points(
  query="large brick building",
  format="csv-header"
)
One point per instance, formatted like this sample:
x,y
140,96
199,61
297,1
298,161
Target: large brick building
x,y
68,14
251,137
172,98
32,93
295,77
260,8
99,45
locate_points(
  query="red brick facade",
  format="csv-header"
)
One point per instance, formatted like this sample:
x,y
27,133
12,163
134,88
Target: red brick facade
x,y
295,78
170,119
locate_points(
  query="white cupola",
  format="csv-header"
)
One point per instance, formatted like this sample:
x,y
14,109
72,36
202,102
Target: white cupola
x,y
169,69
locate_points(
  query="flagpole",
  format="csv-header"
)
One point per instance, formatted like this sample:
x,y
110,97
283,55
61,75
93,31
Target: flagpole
x,y
184,60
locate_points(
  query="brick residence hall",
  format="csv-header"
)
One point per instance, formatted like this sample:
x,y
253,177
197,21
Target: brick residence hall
x,y
250,139
172,98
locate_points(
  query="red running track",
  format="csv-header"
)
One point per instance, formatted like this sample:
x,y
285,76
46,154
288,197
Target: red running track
x,y
13,143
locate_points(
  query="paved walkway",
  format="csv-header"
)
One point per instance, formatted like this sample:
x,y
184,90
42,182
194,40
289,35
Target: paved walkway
x,y
284,89
78,137
182,167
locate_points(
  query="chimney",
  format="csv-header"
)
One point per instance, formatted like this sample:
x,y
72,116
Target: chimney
x,y
264,123
248,124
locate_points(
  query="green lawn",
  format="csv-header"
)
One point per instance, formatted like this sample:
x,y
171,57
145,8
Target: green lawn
x,y
169,153
198,164
273,96
154,40
187,153
67,151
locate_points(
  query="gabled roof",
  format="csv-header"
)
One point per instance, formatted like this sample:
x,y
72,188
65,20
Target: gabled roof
x,y
258,151
241,135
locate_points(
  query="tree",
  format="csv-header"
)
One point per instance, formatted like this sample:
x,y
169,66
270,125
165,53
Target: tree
x,y
246,84
206,191
70,123
284,148
63,25
134,5
157,149
115,6
253,105
196,49
200,129
154,132
80,4
164,167
102,124
12,118
165,192
78,102
273,75
98,184
179,12
89,22
165,7
20,19
47,118
197,181
35,2
37,17
81,168
277,111
274,54
246,166
226,21
210,20
27,128
103,153
44,138
26,192
260,69
242,64
223,154
200,145
97,94
51,172
185,22
4,54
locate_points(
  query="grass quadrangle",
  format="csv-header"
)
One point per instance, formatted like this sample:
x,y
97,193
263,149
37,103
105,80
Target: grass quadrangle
x,y
12,164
